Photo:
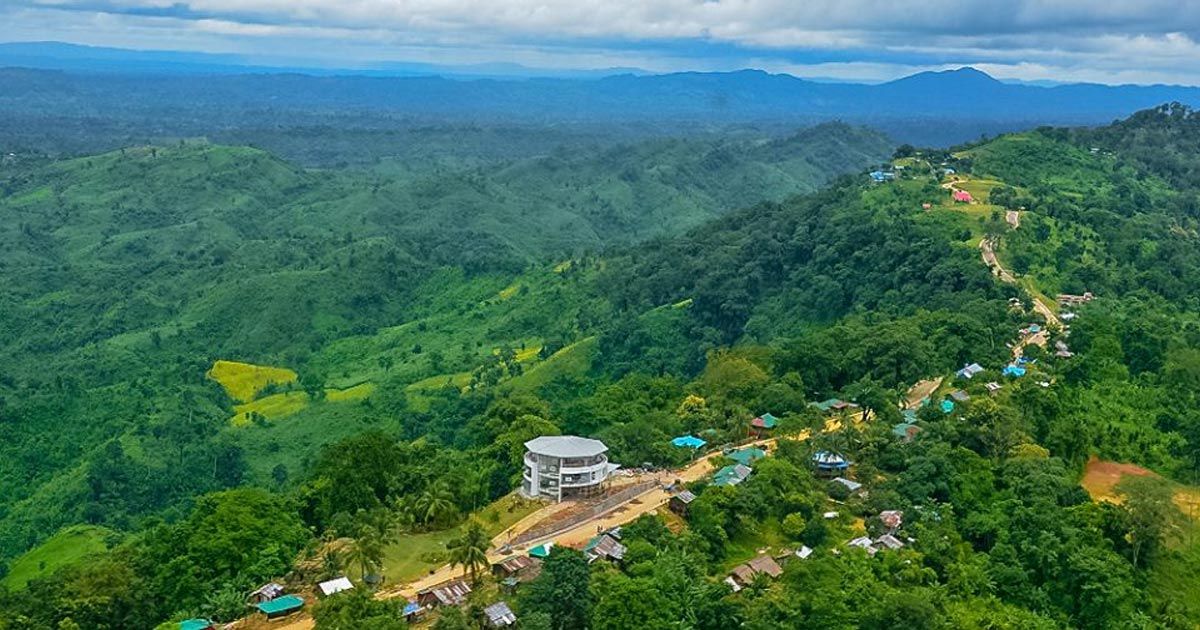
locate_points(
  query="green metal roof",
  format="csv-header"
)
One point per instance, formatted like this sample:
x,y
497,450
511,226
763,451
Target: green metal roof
x,y
195,624
282,604
747,456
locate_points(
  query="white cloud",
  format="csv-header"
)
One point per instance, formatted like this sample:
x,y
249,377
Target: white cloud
x,y
1109,40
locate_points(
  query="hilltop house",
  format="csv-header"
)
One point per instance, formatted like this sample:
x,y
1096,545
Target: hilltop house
x,y
962,196
499,615
558,466
731,475
833,404
763,423
450,593
680,502
743,575
829,463
1067,299
604,547
334,586
280,606
524,568
960,396
852,486
746,456
265,593
969,371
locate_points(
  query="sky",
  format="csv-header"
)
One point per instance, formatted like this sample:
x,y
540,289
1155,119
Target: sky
x,y
1103,41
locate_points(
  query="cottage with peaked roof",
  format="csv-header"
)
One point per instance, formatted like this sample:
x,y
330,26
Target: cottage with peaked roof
x,y
334,586
892,519
852,486
833,404
828,462
680,502
450,593
765,422
906,431
804,552
266,593
744,574
731,475
960,396
541,551
746,456
604,547
864,543
993,387
523,568
969,371
499,615
889,541
280,606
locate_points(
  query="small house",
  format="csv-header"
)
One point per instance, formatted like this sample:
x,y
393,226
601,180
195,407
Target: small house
x,y
604,547
281,606
746,456
523,568
969,371
829,516
892,519
864,543
731,475
852,486
906,431
265,593
829,463
680,502
334,586
804,552
743,575
499,615
960,396
413,612
765,422
962,196
1067,299
947,406
450,593
196,624
836,405
889,541
541,551
993,387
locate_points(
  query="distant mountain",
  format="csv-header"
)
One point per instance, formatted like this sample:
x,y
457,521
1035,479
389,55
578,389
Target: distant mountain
x,y
176,94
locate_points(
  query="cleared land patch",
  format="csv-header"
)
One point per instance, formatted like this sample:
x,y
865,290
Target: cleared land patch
x,y
1101,477
243,381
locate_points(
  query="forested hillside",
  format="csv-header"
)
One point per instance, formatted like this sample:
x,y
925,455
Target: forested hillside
x,y
242,371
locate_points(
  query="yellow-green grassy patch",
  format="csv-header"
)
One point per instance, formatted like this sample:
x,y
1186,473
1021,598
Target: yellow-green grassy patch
x,y
350,394
273,407
243,381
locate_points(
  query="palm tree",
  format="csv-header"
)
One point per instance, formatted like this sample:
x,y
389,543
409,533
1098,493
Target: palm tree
x,y
367,552
436,503
470,550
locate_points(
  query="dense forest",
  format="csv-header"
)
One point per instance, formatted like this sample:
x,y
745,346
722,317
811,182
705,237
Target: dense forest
x,y
419,323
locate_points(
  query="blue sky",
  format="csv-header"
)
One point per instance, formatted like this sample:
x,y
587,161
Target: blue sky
x,y
1125,41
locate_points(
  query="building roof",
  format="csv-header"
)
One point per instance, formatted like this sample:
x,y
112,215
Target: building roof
x,y
947,406
542,550
411,608
830,460
906,430
688,441
336,585
564,446
515,563
970,371
746,456
892,519
195,624
686,496
852,486
499,614
450,593
765,421
270,590
804,552
766,564
960,395
281,604
732,475
889,541
604,546
1015,371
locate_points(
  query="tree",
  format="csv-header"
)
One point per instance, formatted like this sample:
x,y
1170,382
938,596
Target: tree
x,y
367,552
470,550
359,610
1151,512
436,503
562,591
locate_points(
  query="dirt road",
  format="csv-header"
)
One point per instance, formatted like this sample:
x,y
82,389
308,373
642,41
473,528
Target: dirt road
x,y
988,250
921,391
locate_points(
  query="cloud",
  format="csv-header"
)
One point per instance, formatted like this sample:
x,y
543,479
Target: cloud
x,y
1111,40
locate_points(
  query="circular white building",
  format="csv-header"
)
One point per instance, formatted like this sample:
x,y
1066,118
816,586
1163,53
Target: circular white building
x,y
564,466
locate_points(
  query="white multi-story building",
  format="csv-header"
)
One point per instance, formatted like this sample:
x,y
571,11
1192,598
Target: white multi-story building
x,y
563,466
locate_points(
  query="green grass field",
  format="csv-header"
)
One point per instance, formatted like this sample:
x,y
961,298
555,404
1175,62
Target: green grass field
x,y
416,554
69,546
